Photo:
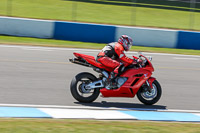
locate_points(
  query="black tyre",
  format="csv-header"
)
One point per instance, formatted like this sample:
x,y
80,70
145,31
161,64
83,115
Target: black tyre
x,y
78,90
150,98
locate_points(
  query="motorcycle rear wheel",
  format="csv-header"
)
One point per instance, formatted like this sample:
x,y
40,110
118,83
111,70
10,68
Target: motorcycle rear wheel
x,y
78,89
150,98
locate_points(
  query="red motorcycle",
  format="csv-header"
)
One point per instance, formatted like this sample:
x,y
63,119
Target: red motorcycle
x,y
135,80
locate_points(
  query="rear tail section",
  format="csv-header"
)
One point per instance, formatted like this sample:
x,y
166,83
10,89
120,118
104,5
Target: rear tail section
x,y
87,60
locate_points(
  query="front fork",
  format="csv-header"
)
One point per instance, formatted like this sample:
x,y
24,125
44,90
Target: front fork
x,y
149,83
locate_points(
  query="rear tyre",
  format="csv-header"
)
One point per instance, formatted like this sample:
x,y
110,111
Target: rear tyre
x,y
78,90
150,98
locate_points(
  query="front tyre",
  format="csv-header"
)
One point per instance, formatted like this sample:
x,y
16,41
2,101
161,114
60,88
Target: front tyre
x,y
78,90
150,98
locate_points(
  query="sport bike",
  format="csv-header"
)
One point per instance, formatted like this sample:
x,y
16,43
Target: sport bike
x,y
134,79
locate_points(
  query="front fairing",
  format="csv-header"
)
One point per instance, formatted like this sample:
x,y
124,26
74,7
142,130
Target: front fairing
x,y
148,64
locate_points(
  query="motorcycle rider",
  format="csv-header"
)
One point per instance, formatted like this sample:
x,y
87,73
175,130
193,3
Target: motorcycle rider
x,y
113,56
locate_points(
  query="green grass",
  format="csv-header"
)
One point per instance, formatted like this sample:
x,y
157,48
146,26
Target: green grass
x,y
93,126
101,13
73,44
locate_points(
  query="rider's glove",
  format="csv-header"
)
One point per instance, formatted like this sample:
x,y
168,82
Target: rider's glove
x,y
139,61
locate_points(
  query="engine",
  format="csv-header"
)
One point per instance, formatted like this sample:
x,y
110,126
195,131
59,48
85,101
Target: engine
x,y
120,81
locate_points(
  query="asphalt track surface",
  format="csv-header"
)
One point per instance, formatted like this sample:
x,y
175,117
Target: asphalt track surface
x,y
42,76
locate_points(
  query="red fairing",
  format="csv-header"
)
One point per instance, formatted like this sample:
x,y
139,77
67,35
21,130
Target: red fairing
x,y
136,77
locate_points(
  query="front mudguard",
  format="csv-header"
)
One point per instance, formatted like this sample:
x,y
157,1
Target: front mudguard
x,y
151,80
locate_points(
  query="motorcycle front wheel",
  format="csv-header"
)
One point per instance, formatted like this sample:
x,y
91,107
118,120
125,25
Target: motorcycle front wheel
x,y
78,90
150,98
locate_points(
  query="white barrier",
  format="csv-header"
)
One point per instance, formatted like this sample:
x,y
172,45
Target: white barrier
x,y
149,36
26,27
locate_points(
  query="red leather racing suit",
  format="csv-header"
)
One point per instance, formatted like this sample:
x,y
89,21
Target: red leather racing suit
x,y
112,55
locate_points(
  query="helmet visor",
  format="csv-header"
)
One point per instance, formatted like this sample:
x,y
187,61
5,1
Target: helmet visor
x,y
129,44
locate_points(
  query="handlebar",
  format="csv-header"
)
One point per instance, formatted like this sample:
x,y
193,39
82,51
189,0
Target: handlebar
x,y
144,59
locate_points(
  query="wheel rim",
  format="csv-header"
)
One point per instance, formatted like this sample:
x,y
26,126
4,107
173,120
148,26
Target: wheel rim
x,y
150,95
82,91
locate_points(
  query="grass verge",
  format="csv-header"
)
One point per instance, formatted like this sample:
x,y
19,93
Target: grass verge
x,y
93,126
103,11
73,44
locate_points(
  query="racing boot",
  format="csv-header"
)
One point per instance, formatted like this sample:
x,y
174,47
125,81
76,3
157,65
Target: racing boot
x,y
116,73
113,83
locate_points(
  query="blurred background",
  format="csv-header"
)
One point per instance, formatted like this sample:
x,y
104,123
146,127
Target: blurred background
x,y
172,14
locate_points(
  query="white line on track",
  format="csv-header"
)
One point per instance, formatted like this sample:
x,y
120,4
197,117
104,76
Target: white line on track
x,y
198,114
178,58
92,50
37,48
96,108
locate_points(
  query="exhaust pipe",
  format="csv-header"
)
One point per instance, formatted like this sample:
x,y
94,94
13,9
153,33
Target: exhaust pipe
x,y
80,62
